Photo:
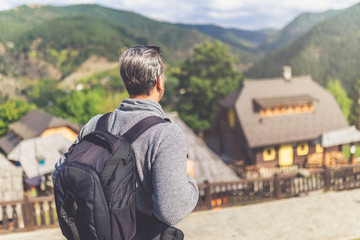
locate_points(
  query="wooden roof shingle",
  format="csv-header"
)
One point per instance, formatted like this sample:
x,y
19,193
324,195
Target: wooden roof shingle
x,y
36,122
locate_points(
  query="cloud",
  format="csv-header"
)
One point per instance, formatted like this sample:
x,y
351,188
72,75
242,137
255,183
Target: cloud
x,y
170,10
229,15
5,5
254,14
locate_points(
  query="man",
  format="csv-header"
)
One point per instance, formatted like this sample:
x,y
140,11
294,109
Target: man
x,y
166,187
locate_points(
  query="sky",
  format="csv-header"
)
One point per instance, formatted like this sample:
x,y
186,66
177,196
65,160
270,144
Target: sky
x,y
241,14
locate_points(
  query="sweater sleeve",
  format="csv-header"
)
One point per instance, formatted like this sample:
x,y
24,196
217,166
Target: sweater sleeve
x,y
175,194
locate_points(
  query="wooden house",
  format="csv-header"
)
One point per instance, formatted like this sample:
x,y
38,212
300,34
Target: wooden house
x,y
37,124
37,156
280,122
11,178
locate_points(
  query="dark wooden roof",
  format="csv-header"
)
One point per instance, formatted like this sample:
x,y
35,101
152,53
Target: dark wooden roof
x,y
229,100
280,129
9,141
35,122
32,125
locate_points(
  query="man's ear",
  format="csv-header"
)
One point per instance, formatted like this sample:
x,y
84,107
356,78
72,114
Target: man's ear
x,y
160,84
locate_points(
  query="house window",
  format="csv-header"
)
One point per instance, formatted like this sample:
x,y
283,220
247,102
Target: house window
x,y
305,108
297,108
269,153
276,111
268,112
231,117
41,160
311,107
319,148
302,149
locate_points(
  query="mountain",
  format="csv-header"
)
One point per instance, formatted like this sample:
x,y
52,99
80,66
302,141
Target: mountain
x,y
295,29
15,21
33,36
330,49
47,42
247,42
255,44
32,42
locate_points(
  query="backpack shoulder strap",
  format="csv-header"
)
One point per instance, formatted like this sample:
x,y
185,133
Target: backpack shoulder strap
x,y
139,128
102,123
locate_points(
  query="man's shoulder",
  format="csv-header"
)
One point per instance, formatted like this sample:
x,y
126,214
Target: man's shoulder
x,y
169,130
90,125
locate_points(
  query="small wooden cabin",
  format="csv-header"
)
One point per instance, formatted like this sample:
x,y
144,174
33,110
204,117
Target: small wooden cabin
x,y
37,124
276,123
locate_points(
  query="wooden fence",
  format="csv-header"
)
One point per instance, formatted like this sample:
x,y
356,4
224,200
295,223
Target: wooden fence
x,y
28,214
217,195
34,213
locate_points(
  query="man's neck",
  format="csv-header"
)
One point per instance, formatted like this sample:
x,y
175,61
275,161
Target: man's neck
x,y
145,97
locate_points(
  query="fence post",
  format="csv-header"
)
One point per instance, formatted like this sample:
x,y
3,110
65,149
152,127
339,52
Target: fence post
x,y
327,178
15,217
27,213
5,217
277,190
51,213
42,214
207,194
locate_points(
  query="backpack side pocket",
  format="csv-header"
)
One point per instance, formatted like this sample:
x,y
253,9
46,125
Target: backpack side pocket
x,y
123,229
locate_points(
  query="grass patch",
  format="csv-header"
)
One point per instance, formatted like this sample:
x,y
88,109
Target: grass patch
x,y
346,152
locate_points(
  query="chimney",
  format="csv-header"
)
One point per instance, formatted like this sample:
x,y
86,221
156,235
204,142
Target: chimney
x,y
287,73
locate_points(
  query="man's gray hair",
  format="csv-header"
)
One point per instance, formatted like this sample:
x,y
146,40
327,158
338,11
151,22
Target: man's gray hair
x,y
140,68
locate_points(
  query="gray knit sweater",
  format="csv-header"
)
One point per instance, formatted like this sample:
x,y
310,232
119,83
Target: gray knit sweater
x,y
160,152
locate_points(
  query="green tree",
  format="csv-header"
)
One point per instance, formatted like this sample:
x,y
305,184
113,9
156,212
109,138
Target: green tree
x,y
336,89
205,79
170,96
11,111
355,96
80,106
43,92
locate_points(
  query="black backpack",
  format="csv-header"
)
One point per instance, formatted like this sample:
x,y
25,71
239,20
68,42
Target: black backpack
x,y
95,190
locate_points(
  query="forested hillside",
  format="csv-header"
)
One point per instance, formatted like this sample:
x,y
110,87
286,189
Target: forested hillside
x,y
32,42
38,33
329,50
294,30
42,47
245,42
